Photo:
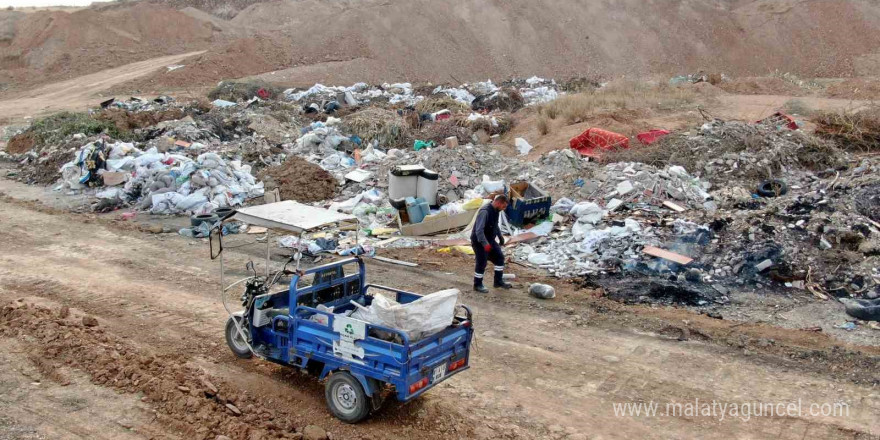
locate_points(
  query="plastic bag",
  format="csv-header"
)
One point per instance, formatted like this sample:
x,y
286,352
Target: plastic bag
x,y
540,259
192,202
542,291
562,206
419,319
472,204
587,212
491,186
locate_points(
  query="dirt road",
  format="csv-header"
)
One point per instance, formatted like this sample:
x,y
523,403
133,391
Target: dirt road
x,y
80,93
540,370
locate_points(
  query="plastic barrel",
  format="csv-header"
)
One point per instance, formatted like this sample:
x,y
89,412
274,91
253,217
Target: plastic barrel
x,y
403,182
428,183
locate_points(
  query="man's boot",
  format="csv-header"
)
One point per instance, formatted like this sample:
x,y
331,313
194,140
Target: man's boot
x,y
499,280
478,285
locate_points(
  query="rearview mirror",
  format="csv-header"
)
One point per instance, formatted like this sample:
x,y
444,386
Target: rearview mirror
x,y
250,267
214,238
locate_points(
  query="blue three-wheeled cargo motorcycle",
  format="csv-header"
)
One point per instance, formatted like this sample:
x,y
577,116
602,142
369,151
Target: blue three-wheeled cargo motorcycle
x,y
308,324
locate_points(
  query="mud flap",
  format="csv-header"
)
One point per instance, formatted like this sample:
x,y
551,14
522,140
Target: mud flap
x,y
370,385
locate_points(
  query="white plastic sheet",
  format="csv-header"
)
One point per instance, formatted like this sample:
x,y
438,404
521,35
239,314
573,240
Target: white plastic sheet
x,y
587,212
419,319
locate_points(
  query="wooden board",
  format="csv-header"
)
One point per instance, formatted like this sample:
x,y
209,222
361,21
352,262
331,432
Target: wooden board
x,y
393,261
666,255
673,206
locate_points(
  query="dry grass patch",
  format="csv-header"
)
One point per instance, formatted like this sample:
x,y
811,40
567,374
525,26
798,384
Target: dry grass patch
x,y
852,131
435,104
543,125
622,95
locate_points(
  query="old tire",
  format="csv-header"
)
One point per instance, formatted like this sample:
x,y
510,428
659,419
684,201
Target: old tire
x,y
864,309
772,188
346,397
238,346
202,218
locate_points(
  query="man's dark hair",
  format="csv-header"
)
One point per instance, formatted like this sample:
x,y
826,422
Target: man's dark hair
x,y
501,198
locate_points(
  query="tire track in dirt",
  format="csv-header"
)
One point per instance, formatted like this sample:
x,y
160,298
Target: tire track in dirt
x,y
79,93
138,306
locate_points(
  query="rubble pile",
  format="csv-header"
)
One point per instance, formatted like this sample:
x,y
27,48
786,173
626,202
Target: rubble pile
x,y
723,151
623,215
819,237
623,182
816,238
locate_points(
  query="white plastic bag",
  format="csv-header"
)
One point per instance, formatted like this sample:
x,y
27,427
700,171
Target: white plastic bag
x,y
492,185
587,212
522,146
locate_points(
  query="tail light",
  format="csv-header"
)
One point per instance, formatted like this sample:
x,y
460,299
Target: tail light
x,y
418,385
457,364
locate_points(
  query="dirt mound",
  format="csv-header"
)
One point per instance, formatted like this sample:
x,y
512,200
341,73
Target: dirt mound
x,y
236,59
350,42
762,86
21,143
300,180
127,121
51,45
191,402
224,9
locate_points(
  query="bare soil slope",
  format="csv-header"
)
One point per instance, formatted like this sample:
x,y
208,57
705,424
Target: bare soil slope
x,y
456,40
46,46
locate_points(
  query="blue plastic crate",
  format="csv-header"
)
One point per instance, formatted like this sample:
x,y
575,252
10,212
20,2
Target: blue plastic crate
x,y
528,204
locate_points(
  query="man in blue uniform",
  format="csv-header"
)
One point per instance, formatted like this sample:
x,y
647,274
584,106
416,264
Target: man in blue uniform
x,y
485,247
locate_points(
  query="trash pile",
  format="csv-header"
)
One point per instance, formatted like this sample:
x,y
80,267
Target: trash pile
x,y
725,151
620,183
357,94
481,95
163,183
138,104
722,204
486,95
625,213
816,232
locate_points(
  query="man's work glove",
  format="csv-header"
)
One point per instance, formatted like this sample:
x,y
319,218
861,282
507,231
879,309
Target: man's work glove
x,y
487,247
